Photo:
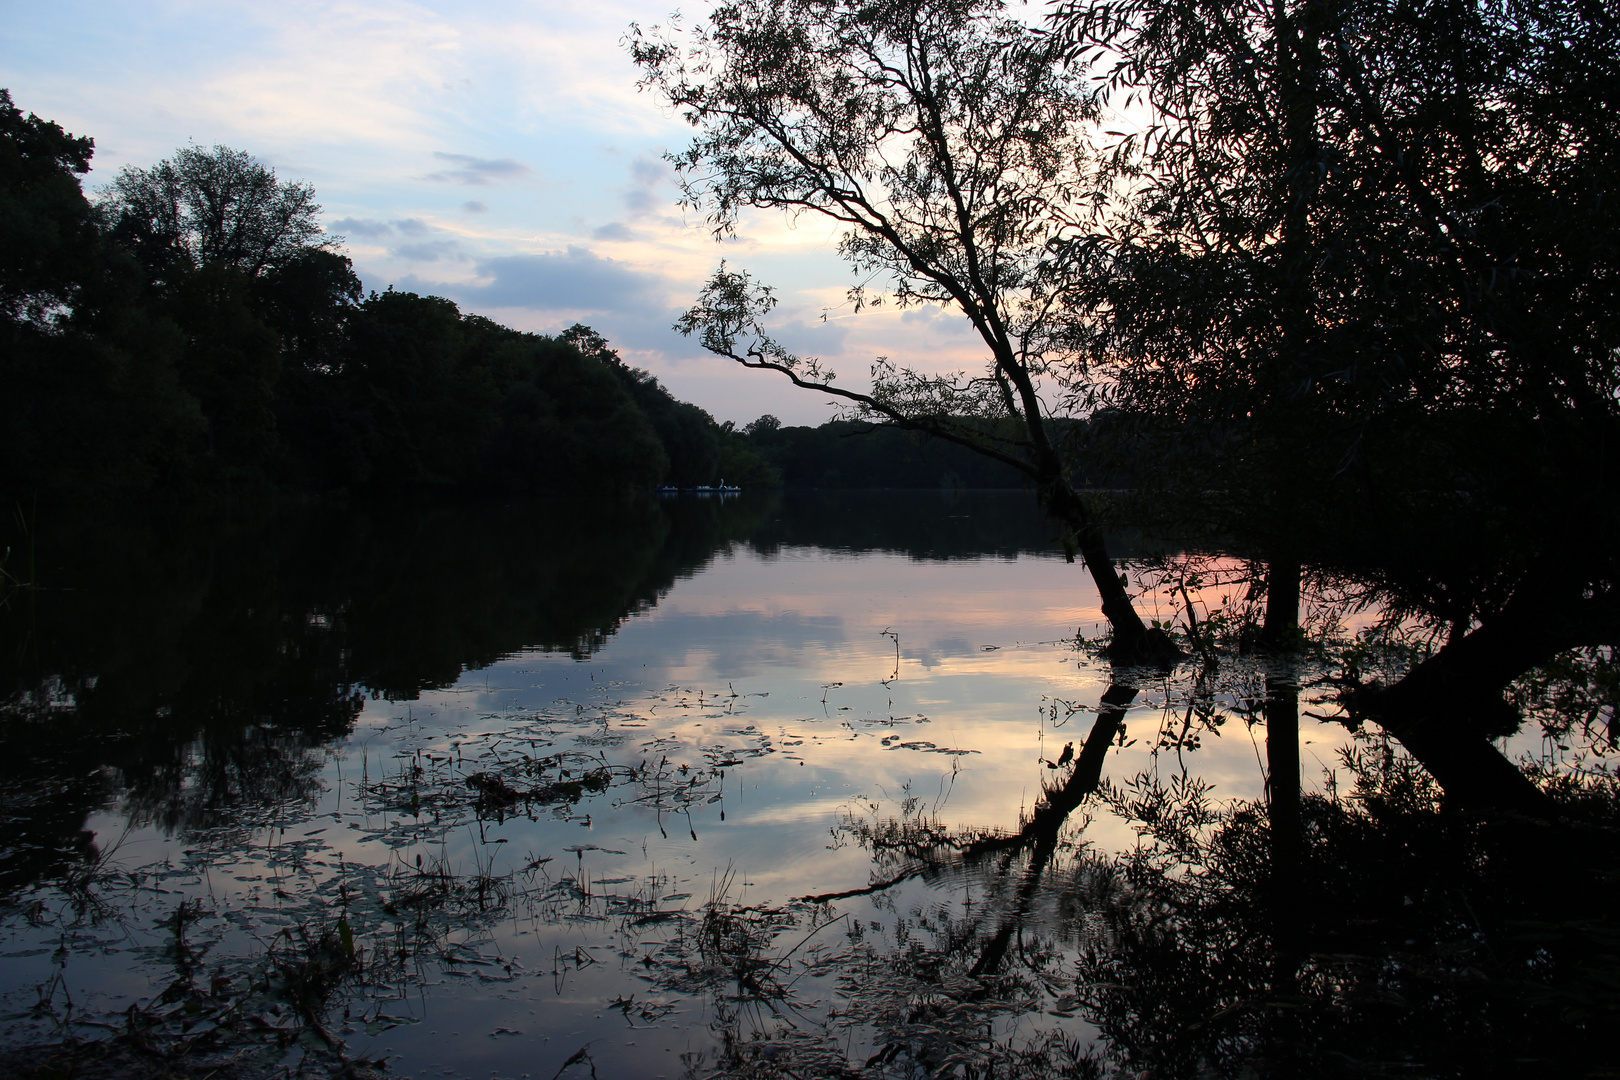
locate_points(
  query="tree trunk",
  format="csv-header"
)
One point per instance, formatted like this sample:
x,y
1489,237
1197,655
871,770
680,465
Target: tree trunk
x,y
1281,630
1299,74
1132,641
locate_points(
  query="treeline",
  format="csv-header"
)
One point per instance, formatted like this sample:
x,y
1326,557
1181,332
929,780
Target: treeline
x,y
193,329
846,454
853,454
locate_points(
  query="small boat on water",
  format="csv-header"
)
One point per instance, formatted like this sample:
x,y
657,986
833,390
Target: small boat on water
x,y
722,488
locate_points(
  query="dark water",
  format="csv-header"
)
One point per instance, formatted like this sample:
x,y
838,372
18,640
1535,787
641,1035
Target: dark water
x,y
815,785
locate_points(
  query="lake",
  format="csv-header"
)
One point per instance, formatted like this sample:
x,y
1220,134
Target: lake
x,y
638,788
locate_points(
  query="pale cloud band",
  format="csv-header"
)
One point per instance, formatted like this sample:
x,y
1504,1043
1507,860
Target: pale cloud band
x,y
476,172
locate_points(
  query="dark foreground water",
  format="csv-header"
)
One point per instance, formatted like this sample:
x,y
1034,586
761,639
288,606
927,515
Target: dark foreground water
x,y
812,785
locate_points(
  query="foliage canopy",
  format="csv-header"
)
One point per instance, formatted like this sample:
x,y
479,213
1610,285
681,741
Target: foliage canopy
x,y
214,207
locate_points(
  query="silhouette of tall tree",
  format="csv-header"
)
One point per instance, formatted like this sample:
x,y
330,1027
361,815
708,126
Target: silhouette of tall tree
x,y
208,207
949,147
1367,250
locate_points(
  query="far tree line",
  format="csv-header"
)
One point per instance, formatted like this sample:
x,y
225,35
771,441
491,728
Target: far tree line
x,y
193,329
858,454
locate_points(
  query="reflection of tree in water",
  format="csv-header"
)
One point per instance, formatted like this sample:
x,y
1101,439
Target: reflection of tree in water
x,y
944,524
200,666
1368,932
198,663
1396,938
217,779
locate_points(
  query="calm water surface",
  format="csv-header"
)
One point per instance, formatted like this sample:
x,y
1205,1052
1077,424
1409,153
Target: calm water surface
x,y
529,756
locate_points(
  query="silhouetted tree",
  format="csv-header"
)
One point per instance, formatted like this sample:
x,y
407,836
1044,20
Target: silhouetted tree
x,y
94,403
197,329
48,233
1356,270
948,146
212,207
699,451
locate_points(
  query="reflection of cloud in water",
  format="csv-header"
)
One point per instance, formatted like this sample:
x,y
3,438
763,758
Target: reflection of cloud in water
x,y
1001,600
936,652
736,644
799,636
730,730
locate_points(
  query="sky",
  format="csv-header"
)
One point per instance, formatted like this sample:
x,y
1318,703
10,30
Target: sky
x,y
497,153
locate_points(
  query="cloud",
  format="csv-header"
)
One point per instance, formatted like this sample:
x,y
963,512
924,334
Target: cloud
x,y
364,227
641,202
475,206
647,171
477,172
646,174
429,251
571,280
413,226
823,339
934,316
613,230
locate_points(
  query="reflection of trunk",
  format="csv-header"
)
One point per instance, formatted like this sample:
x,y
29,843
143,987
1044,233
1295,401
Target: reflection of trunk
x,y
1446,710
1469,769
1040,832
1283,809
1046,821
1132,640
1285,899
1282,776
1055,808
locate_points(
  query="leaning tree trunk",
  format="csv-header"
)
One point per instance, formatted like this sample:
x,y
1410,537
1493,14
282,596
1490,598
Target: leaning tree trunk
x,y
1132,640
